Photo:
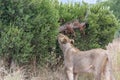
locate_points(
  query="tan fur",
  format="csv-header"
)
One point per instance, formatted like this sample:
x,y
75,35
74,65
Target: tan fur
x,y
95,61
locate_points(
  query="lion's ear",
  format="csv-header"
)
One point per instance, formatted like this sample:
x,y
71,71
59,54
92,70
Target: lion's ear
x,y
72,41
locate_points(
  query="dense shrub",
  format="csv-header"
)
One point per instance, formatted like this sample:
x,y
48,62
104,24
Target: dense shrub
x,y
102,23
117,34
15,30
15,44
44,28
37,20
29,28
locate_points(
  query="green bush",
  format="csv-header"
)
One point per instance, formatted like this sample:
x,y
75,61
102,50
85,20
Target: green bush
x,y
102,24
15,31
29,28
15,43
38,20
117,34
44,28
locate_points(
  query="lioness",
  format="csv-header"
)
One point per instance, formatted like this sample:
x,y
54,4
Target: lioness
x,y
94,61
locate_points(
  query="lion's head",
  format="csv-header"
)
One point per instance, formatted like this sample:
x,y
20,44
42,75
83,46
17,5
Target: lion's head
x,y
62,39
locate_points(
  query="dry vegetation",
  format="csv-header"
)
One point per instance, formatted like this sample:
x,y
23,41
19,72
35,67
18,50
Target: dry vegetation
x,y
114,50
19,73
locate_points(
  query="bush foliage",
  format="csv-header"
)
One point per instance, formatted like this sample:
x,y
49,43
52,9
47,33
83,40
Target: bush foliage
x,y
29,28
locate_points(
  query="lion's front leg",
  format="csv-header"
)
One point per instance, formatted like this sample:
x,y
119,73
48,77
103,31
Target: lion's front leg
x,y
69,72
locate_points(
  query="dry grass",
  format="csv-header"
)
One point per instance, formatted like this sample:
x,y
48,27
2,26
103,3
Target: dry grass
x,y
114,50
47,74
17,73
